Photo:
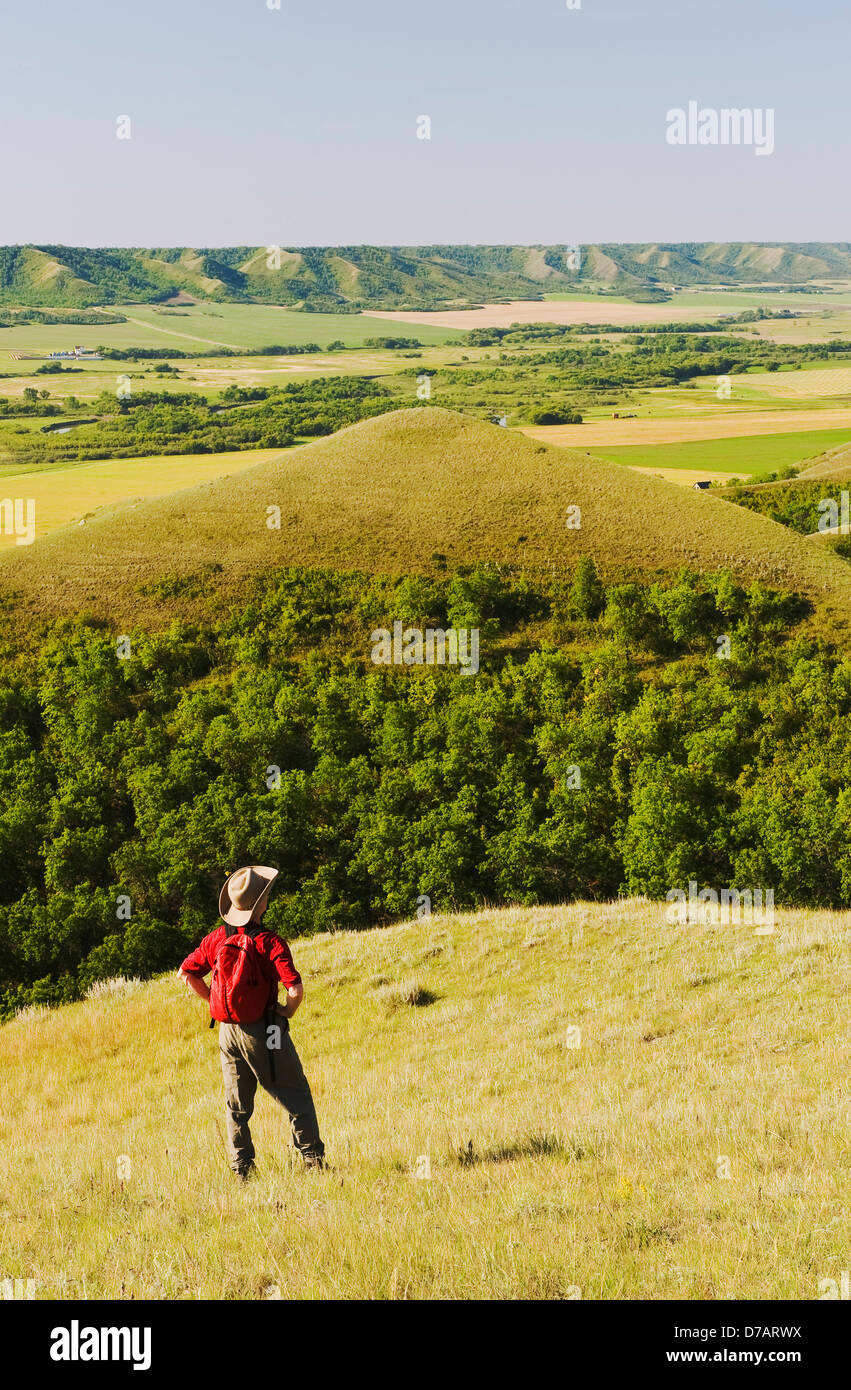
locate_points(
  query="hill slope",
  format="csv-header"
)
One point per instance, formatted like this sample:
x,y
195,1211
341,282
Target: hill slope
x,y
394,276
834,466
611,1107
391,493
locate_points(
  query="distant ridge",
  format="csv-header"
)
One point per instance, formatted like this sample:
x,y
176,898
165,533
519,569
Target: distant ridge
x,y
353,277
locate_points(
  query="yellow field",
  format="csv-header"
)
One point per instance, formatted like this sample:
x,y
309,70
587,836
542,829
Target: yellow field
x,y
711,425
833,381
549,311
69,494
588,1103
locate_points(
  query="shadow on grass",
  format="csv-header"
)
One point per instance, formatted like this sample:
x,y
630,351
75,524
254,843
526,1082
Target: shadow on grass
x,y
411,995
533,1146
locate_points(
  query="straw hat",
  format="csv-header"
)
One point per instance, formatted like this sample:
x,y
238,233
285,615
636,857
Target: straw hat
x,y
243,891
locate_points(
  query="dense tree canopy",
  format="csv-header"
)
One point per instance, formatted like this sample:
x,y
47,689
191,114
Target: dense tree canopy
x,y
602,747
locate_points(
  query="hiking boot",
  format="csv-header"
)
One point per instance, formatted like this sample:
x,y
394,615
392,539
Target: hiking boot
x,y
313,1162
244,1171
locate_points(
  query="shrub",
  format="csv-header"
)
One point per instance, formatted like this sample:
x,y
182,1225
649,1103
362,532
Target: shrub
x,y
555,417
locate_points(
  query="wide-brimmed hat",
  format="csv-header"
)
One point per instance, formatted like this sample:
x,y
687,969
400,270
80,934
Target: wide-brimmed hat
x,y
242,892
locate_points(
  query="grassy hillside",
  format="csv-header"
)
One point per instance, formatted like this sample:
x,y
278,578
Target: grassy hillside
x,y
834,466
423,276
585,1163
395,493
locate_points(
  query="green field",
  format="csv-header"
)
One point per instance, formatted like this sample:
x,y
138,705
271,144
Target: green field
x,y
749,454
211,325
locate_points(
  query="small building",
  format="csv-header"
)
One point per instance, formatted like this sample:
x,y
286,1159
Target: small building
x,y
701,487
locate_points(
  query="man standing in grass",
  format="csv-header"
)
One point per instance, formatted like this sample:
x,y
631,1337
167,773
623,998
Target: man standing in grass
x,y
248,962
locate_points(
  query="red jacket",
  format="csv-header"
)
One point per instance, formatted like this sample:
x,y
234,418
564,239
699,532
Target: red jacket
x,y
275,957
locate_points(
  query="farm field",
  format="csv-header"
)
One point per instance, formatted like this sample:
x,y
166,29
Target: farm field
x,y
767,299
600,433
729,299
573,310
522,1103
219,325
813,327
807,382
831,319
67,494
744,457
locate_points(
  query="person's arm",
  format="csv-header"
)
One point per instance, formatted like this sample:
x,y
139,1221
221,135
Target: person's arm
x,y
194,982
295,994
282,963
195,967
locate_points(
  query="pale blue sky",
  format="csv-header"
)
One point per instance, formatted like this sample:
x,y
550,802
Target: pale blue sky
x,y
298,126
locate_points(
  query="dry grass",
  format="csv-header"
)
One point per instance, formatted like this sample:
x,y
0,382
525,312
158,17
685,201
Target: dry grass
x,y
574,1090
835,465
388,494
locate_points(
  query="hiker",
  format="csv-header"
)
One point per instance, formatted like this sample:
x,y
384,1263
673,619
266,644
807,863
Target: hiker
x,y
247,962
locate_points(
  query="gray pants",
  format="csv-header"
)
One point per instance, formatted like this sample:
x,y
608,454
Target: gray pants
x,y
247,1060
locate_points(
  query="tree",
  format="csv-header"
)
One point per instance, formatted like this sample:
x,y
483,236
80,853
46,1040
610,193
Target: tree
x,y
587,592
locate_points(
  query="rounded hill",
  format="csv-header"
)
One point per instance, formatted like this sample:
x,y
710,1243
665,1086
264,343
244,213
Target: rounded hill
x,y
405,492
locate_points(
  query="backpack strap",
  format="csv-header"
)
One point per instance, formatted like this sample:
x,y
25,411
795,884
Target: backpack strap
x,y
251,929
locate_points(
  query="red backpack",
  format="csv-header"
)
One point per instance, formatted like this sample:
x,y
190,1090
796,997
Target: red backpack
x,y
240,990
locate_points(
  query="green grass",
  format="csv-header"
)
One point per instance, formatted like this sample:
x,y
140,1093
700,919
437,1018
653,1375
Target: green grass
x,y
229,325
576,1080
748,454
